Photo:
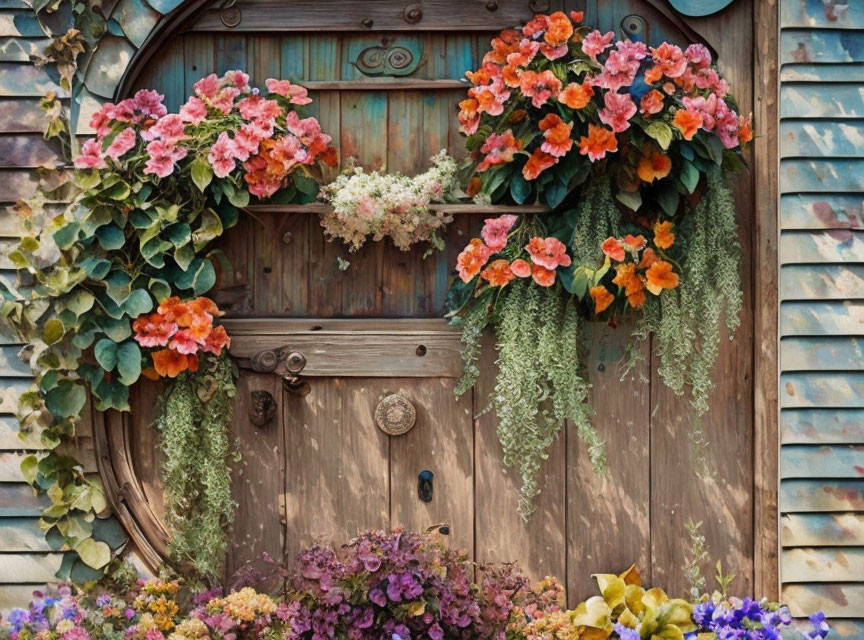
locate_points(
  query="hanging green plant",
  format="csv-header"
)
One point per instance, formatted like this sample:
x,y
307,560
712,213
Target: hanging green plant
x,y
98,298
630,146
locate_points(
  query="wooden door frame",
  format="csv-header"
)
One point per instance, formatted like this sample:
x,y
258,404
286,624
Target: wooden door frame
x,y
150,539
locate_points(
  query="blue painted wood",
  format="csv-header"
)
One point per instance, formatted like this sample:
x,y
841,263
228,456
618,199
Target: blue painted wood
x,y
107,65
822,461
24,80
834,353
20,23
813,45
822,389
813,101
832,14
798,176
822,211
136,18
697,8
17,500
811,318
822,73
822,426
165,6
838,245
817,282
807,496
822,529
22,534
822,138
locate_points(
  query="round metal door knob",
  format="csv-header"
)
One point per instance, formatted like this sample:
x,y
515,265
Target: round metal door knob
x,y
395,414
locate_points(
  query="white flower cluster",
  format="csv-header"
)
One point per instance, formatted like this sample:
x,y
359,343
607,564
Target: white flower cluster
x,y
380,205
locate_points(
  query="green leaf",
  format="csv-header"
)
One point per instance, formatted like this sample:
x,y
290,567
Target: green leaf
x,y
96,268
66,235
205,278
630,199
95,554
66,399
141,219
82,574
118,288
209,229
304,184
118,191
29,468
55,539
575,280
689,176
459,294
112,395
240,199
159,288
53,331
668,198
184,256
201,173
129,362
105,352
520,188
109,531
85,180
110,237
138,302
555,193
29,244
178,234
79,302
66,565
661,132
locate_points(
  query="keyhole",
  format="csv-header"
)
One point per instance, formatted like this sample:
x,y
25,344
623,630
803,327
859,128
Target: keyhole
x,y
424,485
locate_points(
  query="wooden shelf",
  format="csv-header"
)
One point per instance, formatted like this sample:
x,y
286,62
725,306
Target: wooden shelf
x,y
383,84
452,209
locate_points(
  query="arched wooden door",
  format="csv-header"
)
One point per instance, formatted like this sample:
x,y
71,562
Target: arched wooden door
x,y
321,468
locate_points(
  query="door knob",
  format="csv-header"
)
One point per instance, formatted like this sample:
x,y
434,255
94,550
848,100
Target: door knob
x,y
395,414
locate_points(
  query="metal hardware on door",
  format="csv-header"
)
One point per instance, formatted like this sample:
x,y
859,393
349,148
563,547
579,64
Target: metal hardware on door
x,y
230,14
263,408
538,6
395,414
285,363
424,485
413,13
635,27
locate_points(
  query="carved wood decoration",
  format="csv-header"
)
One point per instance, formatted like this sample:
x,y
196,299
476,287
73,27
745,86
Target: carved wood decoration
x,y
321,468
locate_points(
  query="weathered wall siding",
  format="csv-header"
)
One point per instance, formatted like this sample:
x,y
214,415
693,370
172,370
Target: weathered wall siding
x,y
822,313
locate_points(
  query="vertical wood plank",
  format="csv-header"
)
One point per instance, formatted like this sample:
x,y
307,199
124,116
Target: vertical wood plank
x,y
143,397
608,519
199,59
267,273
264,56
259,476
441,441
337,481
539,545
230,54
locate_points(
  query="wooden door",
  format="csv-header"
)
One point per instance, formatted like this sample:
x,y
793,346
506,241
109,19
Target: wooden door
x,y
321,468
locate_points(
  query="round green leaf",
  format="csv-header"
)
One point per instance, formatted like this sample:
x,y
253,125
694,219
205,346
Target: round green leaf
x,y
138,302
129,362
201,172
106,354
66,399
53,331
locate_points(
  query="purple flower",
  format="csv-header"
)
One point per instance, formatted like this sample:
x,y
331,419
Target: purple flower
x,y
626,633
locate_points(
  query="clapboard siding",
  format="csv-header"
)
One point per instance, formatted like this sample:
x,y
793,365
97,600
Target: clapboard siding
x,y
821,141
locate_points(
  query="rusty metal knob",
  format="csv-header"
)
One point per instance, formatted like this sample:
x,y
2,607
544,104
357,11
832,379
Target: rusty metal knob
x,y
538,6
395,414
263,408
413,13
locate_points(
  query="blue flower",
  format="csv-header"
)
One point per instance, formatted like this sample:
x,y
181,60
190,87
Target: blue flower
x,y
626,633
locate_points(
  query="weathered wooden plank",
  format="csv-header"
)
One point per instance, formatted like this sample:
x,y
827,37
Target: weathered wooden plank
x,y
20,24
29,567
199,59
823,529
136,18
25,80
822,389
822,426
822,354
812,101
814,461
10,462
17,596
10,363
10,392
361,356
840,629
27,151
10,440
22,534
829,211
17,500
385,15
838,245
817,14
821,138
821,73
815,282
821,495
822,565
21,115
622,499
822,318
340,326
821,175
440,442
20,49
821,45
836,600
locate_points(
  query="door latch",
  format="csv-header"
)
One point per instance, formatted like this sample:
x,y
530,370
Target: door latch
x,y
424,485
283,362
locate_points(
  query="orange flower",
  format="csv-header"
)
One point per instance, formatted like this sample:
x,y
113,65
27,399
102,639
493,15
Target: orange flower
x,y
688,121
745,129
557,135
576,96
652,102
612,248
537,164
627,279
216,341
472,259
204,305
520,268
511,74
498,273
558,29
473,187
653,75
648,258
637,299
502,46
542,276
577,16
599,141
654,166
660,276
539,86
663,236
602,298
168,362
150,373
634,243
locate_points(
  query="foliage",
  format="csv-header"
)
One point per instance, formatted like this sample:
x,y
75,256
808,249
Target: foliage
x,y
638,140
193,419
380,205
154,190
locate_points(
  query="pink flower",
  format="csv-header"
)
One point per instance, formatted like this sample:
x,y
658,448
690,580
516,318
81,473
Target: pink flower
x,y
527,51
207,87
259,109
553,53
622,65
163,155
150,103
170,128
183,342
122,143
708,107
539,86
499,149
295,93
91,155
520,268
596,43
100,122
670,59
246,142
194,111
124,111
495,230
549,253
491,97
618,111
238,78
727,127
698,55
224,100
222,155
